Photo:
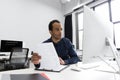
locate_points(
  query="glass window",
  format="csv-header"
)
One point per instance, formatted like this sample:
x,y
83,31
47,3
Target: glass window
x,y
80,39
80,21
117,34
80,30
115,5
103,11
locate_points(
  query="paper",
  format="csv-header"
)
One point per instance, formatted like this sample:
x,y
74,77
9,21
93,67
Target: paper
x,y
50,60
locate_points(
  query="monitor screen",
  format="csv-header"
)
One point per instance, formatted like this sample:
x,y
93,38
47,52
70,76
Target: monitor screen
x,y
95,32
7,45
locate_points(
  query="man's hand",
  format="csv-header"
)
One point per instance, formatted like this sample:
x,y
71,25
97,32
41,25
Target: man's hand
x,y
35,58
62,62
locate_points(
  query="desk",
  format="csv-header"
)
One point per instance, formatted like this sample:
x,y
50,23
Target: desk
x,y
68,74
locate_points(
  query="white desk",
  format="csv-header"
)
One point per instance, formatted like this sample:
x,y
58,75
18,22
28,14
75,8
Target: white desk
x,y
68,74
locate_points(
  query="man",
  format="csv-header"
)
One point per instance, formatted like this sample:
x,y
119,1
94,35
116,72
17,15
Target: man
x,y
63,46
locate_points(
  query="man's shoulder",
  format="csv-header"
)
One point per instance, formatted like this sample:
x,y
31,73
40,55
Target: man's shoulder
x,y
48,40
65,39
67,42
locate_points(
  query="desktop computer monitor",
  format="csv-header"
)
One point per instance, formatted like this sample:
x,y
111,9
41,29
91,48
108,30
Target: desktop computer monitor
x,y
95,32
7,45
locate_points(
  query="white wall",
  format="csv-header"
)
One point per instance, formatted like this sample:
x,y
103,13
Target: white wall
x,y
27,20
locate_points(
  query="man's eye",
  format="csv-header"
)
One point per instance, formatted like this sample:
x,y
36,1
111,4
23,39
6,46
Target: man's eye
x,y
58,29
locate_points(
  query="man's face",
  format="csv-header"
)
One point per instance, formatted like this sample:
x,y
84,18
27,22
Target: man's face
x,y
56,31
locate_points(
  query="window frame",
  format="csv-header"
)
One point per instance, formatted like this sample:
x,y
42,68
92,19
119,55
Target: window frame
x,y
93,7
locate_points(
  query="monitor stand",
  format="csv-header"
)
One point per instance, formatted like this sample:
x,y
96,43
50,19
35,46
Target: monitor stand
x,y
116,55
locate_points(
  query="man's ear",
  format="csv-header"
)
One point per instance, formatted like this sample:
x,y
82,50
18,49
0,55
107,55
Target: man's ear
x,y
50,32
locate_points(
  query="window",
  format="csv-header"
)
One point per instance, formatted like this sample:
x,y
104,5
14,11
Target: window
x,y
117,34
80,31
109,10
103,11
115,5
80,21
99,9
116,20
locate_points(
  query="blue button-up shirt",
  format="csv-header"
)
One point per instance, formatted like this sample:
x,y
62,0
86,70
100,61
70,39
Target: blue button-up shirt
x,y
65,50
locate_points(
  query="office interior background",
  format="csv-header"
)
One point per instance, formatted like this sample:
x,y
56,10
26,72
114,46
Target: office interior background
x,y
27,20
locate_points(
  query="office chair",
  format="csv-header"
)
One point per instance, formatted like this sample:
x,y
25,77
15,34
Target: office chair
x,y
18,59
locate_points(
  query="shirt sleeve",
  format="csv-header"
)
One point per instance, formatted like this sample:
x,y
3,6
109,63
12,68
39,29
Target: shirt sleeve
x,y
72,53
37,65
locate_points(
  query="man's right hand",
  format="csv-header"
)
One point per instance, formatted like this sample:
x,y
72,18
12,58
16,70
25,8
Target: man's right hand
x,y
62,62
35,58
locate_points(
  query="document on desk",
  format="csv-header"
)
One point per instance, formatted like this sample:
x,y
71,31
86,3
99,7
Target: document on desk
x,y
49,57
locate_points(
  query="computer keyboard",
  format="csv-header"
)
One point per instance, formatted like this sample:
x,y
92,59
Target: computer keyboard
x,y
88,66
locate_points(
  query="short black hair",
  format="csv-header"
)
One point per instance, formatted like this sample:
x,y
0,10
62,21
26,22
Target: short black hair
x,y
51,23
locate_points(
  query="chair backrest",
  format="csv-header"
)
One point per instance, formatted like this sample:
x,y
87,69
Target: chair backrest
x,y
19,55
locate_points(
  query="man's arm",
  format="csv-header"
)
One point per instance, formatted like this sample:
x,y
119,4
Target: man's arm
x,y
73,55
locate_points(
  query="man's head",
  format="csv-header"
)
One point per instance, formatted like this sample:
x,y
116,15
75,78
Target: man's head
x,y
55,29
